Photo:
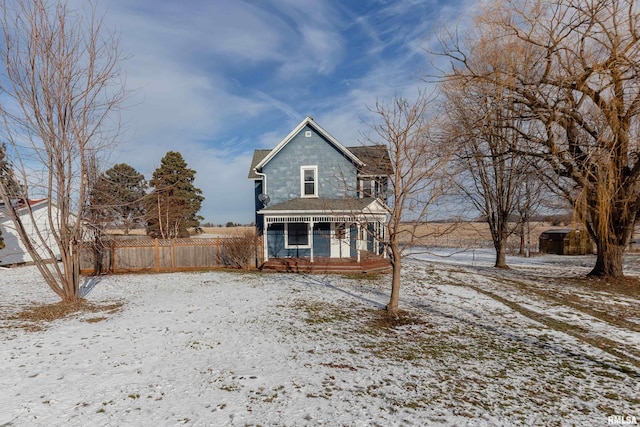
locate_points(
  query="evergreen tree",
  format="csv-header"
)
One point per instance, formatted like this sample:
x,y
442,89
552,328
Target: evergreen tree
x,y
8,182
173,204
118,197
9,185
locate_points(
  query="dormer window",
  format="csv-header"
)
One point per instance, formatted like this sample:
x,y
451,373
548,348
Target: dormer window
x,y
309,181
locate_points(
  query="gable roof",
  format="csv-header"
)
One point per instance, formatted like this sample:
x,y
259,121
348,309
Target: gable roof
x,y
258,155
308,121
375,158
370,159
21,205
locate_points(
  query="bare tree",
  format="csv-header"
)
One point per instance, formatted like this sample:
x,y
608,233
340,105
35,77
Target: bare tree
x,y
573,69
63,85
493,177
419,164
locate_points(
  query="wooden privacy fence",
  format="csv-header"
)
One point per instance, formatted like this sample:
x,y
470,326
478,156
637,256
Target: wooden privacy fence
x,y
120,256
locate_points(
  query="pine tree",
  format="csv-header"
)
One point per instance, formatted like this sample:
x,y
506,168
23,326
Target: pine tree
x,y
118,197
9,185
173,204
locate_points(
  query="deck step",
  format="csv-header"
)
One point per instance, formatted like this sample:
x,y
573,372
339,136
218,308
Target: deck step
x,y
327,265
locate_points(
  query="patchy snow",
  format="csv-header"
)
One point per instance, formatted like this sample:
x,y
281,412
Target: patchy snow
x,y
220,348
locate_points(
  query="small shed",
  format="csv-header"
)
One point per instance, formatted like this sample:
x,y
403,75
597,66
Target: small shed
x,y
565,242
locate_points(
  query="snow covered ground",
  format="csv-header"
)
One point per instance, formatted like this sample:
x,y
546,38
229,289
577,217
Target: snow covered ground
x,y
476,347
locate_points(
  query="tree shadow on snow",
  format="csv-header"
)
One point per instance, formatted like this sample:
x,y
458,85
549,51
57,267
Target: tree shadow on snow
x,y
325,282
88,284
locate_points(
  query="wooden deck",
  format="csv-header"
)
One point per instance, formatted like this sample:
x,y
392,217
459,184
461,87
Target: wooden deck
x,y
328,265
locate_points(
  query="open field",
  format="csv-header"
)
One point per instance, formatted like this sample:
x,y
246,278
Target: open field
x,y
473,235
535,345
227,231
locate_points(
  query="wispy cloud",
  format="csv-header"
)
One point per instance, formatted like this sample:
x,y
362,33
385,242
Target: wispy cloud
x,y
219,79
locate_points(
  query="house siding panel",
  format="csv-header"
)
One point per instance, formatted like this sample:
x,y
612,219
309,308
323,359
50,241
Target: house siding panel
x,y
336,174
276,247
322,239
258,204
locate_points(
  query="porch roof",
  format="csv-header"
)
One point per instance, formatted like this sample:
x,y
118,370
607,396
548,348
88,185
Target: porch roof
x,y
325,210
306,204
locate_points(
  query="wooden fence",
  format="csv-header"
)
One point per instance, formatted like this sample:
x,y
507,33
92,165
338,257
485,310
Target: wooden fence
x,y
120,256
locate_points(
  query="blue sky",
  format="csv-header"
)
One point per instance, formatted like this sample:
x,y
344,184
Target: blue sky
x,y
217,79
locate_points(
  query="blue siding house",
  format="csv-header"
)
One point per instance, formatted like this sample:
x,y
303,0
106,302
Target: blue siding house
x,y
315,198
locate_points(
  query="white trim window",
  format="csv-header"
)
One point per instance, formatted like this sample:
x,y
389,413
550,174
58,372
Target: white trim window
x,y
296,235
309,181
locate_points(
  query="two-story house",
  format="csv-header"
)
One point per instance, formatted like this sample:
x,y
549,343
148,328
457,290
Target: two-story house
x,y
315,198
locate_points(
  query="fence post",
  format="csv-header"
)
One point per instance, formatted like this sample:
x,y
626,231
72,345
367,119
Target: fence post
x,y
112,267
173,255
157,255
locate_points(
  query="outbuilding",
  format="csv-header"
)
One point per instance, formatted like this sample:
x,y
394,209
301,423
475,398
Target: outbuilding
x,y
35,218
565,242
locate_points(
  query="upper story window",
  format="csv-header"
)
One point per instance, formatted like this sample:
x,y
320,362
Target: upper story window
x,y
373,187
309,181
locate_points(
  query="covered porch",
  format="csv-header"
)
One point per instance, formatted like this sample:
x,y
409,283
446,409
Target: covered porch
x,y
321,236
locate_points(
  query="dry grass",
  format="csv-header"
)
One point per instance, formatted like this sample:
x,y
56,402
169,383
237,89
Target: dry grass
x,y
629,286
37,316
229,231
383,320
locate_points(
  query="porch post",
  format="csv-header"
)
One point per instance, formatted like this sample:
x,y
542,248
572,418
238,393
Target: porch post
x,y
377,237
383,229
311,240
358,235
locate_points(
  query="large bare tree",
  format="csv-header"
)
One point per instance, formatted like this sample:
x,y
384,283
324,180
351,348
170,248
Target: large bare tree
x,y
572,67
63,87
418,159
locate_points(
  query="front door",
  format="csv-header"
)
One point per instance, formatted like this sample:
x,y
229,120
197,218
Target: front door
x,y
340,247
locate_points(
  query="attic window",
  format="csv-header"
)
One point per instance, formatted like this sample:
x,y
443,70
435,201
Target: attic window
x,y
307,134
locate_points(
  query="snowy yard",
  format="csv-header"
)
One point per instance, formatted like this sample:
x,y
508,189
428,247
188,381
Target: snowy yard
x,y
529,346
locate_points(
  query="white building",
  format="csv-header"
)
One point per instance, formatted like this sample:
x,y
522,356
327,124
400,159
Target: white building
x,y
15,251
